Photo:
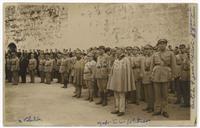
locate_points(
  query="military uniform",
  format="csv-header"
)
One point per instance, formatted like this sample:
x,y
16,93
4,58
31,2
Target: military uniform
x,y
32,69
185,79
78,76
89,70
137,71
41,69
146,81
101,75
162,67
177,78
15,70
9,72
58,64
48,70
65,70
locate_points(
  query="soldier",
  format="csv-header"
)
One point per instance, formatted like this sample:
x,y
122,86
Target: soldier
x,y
41,67
66,65
89,72
58,64
121,82
162,68
101,75
137,71
48,69
185,76
54,65
61,70
15,69
146,81
8,67
32,68
78,74
23,66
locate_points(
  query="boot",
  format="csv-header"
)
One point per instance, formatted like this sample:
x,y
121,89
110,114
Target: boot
x,y
104,99
101,98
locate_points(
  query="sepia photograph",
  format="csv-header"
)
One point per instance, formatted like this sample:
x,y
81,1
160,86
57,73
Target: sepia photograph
x,y
99,64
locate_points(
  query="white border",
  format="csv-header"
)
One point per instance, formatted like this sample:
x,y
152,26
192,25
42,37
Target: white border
x,y
86,1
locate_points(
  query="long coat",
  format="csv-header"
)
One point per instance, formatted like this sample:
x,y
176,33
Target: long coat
x,y
121,77
78,72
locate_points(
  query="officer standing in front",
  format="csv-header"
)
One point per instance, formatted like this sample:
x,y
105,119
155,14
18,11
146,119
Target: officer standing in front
x,y
162,68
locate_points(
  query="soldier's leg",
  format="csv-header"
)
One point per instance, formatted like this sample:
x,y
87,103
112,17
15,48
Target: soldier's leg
x,y
164,99
88,89
157,103
146,96
48,78
9,76
91,90
150,97
138,94
116,96
99,84
15,82
186,93
121,103
142,94
96,90
178,91
104,87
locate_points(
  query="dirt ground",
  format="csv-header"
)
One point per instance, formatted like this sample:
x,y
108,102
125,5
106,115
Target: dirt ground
x,y
50,105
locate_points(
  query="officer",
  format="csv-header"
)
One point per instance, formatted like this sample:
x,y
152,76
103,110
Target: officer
x,y
8,66
58,64
48,69
101,75
66,65
41,67
137,71
15,68
162,67
89,72
32,68
146,81
185,76
78,74
23,66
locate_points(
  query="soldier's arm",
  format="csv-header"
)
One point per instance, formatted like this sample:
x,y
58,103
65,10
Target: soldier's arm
x,y
142,69
173,64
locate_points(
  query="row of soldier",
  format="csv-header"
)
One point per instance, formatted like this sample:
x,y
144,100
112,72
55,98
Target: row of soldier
x,y
129,73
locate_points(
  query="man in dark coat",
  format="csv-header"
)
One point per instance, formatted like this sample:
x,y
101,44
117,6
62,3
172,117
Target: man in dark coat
x,y
23,63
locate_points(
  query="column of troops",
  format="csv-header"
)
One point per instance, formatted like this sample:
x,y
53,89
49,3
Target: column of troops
x,y
129,74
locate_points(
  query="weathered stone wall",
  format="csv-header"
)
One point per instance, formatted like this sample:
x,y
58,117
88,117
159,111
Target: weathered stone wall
x,y
84,25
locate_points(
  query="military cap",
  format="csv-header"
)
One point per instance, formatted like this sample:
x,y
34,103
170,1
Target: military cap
x,y
90,54
182,46
161,41
128,48
102,47
148,46
136,48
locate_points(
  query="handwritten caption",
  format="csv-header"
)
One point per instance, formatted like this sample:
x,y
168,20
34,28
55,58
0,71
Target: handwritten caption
x,y
123,122
29,119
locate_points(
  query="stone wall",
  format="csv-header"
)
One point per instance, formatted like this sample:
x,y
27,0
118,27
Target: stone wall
x,y
84,25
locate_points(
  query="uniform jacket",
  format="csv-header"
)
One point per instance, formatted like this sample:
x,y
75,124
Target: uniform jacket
x,y
15,64
102,67
163,66
32,64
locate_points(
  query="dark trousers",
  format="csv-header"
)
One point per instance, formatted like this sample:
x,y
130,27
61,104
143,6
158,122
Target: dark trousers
x,y
178,92
185,89
66,79
23,77
9,75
